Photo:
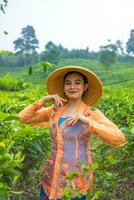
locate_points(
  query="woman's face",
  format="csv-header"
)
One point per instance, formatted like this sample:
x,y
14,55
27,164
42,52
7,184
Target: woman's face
x,y
74,86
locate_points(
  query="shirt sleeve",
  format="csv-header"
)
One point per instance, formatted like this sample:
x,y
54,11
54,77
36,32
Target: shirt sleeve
x,y
105,128
35,114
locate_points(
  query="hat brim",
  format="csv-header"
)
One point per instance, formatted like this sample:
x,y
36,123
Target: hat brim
x,y
92,95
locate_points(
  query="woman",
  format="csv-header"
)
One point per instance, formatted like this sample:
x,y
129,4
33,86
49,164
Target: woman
x,y
72,120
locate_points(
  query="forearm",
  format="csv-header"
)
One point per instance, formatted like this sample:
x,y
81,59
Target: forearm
x,y
44,100
110,134
29,112
34,113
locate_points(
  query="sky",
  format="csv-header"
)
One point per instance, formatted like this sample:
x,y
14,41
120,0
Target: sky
x,y
72,23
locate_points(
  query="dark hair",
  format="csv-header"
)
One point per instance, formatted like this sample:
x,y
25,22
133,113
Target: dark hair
x,y
73,72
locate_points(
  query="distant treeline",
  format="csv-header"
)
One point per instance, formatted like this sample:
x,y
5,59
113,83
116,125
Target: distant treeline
x,y
51,54
26,53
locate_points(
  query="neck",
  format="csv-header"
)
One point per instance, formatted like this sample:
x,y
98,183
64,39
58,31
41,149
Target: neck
x,y
74,103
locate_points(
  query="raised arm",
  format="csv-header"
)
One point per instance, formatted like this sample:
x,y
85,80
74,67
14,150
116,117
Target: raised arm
x,y
104,128
35,114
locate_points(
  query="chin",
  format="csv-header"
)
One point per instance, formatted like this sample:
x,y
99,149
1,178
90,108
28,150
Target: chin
x,y
73,97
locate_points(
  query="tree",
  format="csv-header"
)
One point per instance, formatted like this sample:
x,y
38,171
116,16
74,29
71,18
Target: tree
x,y
120,48
79,53
51,53
27,44
130,43
107,55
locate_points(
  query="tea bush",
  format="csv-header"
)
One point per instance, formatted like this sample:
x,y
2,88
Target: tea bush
x,y
24,148
8,84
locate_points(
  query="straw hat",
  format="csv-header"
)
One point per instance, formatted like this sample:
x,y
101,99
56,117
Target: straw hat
x,y
54,83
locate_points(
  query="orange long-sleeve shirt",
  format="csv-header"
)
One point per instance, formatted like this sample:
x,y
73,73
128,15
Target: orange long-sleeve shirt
x,y
70,144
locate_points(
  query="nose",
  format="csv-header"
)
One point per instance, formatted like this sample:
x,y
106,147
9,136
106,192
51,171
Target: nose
x,y
72,85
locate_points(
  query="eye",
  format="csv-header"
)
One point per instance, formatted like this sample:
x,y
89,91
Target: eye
x,y
67,83
78,82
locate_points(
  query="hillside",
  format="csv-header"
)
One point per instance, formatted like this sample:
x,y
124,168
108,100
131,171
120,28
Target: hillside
x,y
121,74
22,145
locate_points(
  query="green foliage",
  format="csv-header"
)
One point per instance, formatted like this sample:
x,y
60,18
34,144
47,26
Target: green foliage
x,y
130,42
7,53
20,147
51,53
114,175
8,59
45,65
10,163
24,149
121,73
54,53
8,84
27,44
108,54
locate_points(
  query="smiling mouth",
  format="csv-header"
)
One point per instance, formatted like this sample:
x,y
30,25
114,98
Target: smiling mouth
x,y
72,92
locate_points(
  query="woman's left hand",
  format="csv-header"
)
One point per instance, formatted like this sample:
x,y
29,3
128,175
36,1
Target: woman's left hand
x,y
80,117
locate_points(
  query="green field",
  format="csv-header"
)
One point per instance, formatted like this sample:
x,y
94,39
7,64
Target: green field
x,y
119,74
24,149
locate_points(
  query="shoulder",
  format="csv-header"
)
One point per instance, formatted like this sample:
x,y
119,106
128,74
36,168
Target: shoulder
x,y
93,111
89,111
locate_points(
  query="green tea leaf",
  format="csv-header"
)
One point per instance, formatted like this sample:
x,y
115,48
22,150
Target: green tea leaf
x,y
11,117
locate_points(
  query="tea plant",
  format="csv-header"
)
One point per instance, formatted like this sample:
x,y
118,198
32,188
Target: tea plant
x,y
24,148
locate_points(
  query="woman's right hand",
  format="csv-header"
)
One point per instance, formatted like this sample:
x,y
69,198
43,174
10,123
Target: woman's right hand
x,y
54,98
